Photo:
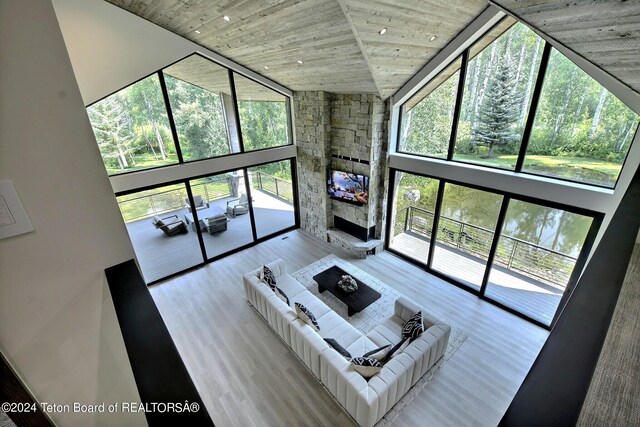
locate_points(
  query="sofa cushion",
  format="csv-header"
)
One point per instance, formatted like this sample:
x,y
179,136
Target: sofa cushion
x,y
361,346
412,328
337,347
379,353
306,316
366,366
291,287
334,326
398,348
388,332
306,298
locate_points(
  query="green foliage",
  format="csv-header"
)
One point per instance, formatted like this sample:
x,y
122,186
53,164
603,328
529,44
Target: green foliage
x,y
263,123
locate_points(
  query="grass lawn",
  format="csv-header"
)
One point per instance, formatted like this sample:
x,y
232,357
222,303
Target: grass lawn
x,y
575,168
145,161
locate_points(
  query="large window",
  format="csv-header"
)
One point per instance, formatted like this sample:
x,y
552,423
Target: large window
x,y
192,110
520,254
200,97
132,128
273,197
263,115
522,106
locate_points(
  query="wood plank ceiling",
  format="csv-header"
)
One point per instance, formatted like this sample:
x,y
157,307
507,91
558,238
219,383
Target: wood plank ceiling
x,y
605,32
338,41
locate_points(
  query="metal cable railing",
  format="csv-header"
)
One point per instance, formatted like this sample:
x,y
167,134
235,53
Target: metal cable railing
x,y
273,185
513,254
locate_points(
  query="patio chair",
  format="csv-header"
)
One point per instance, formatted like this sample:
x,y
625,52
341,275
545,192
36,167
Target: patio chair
x,y
170,225
217,223
238,206
198,201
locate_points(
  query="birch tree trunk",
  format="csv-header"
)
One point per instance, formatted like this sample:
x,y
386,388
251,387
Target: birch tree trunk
x,y
527,93
596,116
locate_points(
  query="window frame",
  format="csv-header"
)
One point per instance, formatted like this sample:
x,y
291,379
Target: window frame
x,y
531,112
160,74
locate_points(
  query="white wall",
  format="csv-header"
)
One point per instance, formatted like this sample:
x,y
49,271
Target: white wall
x,y
110,48
58,327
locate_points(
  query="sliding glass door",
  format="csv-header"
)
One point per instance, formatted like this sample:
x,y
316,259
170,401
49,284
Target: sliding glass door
x,y
519,254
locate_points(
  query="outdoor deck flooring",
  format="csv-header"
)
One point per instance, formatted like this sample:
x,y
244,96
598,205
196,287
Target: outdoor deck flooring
x,y
536,299
159,255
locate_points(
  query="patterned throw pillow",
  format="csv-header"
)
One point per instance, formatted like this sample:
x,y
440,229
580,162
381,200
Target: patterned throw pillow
x,y
398,348
306,316
366,366
280,294
267,276
412,328
379,353
337,347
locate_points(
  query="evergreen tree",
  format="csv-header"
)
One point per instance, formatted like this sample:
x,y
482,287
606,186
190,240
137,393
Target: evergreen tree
x,y
499,112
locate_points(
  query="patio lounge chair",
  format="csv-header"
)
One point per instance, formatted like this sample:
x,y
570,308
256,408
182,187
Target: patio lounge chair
x,y
170,225
198,201
217,223
238,206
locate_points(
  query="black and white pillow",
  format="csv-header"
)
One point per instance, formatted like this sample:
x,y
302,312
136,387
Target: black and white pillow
x,y
398,348
267,276
379,354
337,347
412,328
306,316
280,294
366,366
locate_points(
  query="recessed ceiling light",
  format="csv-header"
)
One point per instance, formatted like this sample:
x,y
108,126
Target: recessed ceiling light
x,y
433,38
382,31
300,61
197,32
226,18
266,68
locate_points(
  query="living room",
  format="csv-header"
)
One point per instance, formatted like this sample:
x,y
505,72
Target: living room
x,y
204,168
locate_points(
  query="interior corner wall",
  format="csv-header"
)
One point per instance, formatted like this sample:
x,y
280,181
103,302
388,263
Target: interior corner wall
x,y
58,327
312,113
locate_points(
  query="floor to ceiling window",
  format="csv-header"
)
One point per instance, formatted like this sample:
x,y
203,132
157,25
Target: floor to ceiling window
x,y
197,110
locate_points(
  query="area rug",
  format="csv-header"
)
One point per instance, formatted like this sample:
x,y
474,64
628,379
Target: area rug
x,y
372,316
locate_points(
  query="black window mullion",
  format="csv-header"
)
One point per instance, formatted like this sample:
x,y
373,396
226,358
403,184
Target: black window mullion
x,y
296,196
196,222
172,124
494,243
436,222
247,185
390,207
236,110
535,99
458,106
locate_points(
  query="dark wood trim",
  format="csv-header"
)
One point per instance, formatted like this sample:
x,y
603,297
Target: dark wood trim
x,y
559,379
533,107
458,105
494,244
158,369
172,124
13,391
436,223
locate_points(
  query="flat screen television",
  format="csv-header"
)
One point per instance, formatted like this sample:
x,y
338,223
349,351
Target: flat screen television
x,y
348,187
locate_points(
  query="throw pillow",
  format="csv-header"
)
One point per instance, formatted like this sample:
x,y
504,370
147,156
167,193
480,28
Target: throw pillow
x,y
366,366
337,347
267,276
412,328
398,348
306,316
379,353
280,294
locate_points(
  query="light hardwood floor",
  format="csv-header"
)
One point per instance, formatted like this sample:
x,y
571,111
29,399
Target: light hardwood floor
x,y
247,376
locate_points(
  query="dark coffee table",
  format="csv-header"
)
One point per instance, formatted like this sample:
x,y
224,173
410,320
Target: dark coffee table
x,y
355,301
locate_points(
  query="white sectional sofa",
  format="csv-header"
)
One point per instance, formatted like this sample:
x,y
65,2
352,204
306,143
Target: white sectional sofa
x,y
366,401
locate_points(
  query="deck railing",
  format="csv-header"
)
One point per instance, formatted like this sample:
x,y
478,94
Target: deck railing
x,y
513,254
161,202
273,185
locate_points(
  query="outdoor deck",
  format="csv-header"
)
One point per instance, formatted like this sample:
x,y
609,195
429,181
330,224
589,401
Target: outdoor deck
x,y
536,299
160,255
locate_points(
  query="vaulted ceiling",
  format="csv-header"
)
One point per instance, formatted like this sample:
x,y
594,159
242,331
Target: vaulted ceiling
x,y
341,50
605,32
338,41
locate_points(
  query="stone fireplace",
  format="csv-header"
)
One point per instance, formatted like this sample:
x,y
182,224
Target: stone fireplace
x,y
345,132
